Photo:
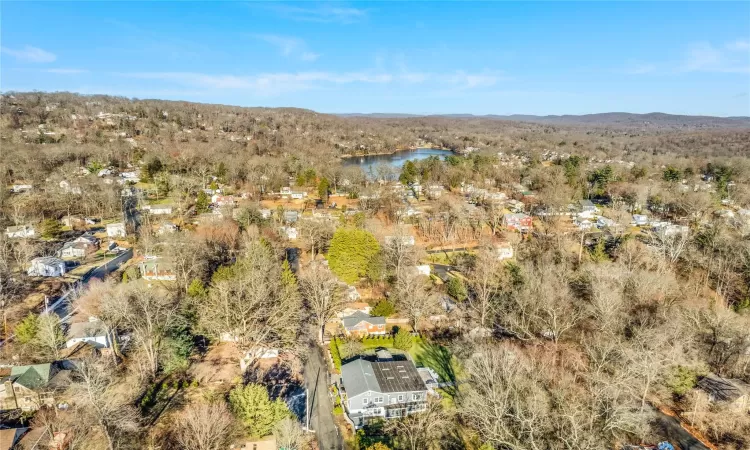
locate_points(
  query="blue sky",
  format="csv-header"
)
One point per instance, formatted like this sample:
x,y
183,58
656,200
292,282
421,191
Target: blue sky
x,y
418,57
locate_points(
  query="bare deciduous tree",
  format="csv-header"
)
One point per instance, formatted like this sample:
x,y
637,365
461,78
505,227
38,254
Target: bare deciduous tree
x,y
102,403
319,289
149,314
204,426
413,296
253,307
422,430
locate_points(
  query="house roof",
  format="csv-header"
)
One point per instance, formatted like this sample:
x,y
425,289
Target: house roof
x,y
359,316
9,437
361,376
48,260
16,228
34,376
86,329
724,389
116,225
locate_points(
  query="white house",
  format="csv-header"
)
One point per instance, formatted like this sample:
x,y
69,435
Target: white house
x,y
47,266
423,269
504,250
604,222
290,232
159,210
20,232
93,332
116,229
640,220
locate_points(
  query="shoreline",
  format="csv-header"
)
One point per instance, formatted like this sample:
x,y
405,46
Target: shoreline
x,y
408,149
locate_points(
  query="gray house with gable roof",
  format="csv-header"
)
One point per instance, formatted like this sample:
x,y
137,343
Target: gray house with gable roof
x,y
381,389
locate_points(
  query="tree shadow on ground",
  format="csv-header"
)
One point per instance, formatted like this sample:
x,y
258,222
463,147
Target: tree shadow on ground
x,y
440,359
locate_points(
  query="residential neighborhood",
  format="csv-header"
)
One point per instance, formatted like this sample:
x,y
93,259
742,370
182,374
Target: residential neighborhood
x,y
456,288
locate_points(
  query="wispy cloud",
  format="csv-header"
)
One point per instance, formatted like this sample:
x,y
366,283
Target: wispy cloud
x,y
30,54
309,56
704,57
289,46
739,45
66,71
326,13
284,82
732,57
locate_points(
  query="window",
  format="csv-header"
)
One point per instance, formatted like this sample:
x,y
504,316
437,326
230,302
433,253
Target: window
x,y
401,398
416,397
365,401
378,399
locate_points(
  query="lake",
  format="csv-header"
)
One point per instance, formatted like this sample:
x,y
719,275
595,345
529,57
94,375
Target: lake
x,y
396,160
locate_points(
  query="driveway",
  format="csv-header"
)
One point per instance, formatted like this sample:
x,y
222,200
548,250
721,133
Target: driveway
x,y
673,432
320,404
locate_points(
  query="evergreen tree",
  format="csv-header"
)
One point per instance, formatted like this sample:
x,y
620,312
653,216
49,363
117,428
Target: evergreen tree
x,y
287,276
259,414
409,173
27,329
323,189
384,308
51,229
201,204
403,340
350,253
457,289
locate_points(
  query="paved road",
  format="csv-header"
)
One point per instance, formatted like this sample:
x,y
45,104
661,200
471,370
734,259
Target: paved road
x,y
320,404
674,433
61,305
441,270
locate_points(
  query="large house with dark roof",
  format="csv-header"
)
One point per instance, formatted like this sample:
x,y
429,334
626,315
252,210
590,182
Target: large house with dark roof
x,y
381,389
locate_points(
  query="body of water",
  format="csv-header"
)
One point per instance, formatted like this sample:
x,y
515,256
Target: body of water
x,y
396,160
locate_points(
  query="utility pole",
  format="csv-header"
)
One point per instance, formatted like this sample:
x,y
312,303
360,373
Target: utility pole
x,y
307,409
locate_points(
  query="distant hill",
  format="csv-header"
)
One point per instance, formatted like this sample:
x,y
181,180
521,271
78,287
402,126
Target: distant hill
x,y
616,119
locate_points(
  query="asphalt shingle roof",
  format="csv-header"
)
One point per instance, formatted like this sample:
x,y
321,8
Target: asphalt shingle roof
x,y
359,316
361,376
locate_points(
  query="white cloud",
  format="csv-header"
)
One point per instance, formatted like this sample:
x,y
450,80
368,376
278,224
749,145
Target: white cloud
x,y
283,82
739,45
30,54
289,46
700,57
66,71
310,56
285,44
704,57
323,14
